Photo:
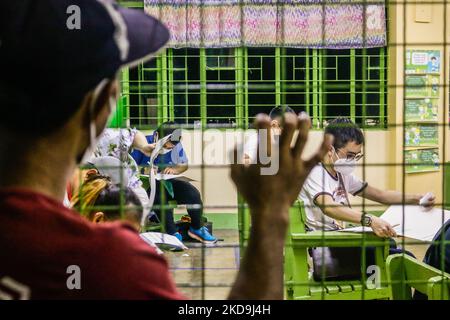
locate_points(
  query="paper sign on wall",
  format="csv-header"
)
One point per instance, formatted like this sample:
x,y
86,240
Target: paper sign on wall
x,y
421,135
417,110
422,86
423,61
421,160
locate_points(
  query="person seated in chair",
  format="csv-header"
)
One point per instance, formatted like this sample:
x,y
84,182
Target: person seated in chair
x,y
172,160
325,193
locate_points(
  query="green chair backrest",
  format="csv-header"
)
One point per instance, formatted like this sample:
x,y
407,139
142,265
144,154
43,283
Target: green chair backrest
x,y
405,272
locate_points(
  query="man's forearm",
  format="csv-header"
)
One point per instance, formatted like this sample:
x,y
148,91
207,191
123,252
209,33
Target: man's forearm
x,y
395,197
261,272
341,213
390,196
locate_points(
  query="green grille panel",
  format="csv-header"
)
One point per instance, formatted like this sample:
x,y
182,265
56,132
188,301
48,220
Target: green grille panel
x,y
230,86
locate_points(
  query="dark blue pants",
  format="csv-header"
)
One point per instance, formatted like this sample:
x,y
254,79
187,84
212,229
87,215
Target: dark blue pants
x,y
183,193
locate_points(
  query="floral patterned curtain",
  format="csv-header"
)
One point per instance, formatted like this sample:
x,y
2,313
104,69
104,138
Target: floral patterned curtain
x,y
334,24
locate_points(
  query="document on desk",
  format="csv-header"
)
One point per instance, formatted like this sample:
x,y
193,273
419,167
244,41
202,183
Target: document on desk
x,y
161,239
361,229
413,222
162,176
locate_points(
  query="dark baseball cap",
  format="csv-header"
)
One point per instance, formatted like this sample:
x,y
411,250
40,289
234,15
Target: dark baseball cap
x,y
53,52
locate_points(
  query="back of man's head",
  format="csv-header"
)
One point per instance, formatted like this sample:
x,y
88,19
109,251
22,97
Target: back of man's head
x,y
49,63
344,131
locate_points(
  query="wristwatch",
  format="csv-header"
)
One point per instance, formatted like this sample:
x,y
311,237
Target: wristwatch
x,y
366,220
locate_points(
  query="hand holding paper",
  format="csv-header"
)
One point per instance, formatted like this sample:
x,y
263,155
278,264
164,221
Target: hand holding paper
x,y
427,200
412,221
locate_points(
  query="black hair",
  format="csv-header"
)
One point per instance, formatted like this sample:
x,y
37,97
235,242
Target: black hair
x,y
344,131
170,127
279,111
110,199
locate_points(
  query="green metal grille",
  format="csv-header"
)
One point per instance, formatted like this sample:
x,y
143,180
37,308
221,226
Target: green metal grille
x,y
232,85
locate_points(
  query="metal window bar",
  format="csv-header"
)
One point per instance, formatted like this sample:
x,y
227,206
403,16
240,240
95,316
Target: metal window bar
x,y
324,83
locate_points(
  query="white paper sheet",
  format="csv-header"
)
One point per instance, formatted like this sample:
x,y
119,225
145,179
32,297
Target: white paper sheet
x,y
158,238
361,229
419,223
161,176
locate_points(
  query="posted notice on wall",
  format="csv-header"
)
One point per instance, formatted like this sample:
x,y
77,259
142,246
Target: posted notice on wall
x,y
422,86
423,61
418,135
425,110
421,160
421,109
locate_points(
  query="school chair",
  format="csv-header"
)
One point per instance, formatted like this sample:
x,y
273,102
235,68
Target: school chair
x,y
405,273
299,282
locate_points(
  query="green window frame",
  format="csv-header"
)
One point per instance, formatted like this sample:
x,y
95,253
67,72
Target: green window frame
x,y
228,87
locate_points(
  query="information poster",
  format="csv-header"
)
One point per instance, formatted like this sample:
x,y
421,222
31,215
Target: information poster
x,y
422,160
422,86
423,61
422,82
417,110
421,135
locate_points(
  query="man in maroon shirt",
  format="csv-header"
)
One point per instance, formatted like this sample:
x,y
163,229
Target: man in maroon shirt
x,y
74,49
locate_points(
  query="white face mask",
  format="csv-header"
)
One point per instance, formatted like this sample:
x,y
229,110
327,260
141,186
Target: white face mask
x,y
344,166
93,139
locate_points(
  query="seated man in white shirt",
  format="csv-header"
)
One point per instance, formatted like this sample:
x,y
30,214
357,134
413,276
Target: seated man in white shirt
x,y
325,192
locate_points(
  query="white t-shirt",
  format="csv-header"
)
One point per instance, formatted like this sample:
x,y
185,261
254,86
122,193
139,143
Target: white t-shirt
x,y
320,182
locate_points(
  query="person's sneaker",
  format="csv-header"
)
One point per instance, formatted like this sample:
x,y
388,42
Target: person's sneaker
x,y
178,236
201,235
